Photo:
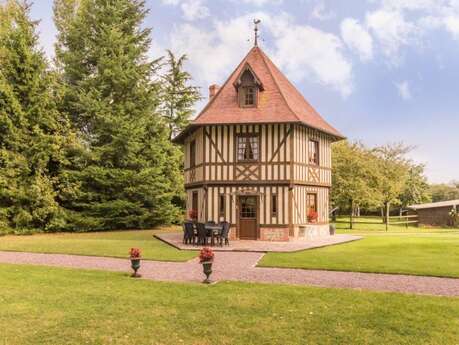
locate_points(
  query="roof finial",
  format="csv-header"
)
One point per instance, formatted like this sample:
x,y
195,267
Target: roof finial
x,y
256,22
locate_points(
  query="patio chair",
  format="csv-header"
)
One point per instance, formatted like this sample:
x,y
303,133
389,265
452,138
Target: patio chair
x,y
225,233
202,234
188,235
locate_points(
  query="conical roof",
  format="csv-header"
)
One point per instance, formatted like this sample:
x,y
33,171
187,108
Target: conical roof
x,y
279,100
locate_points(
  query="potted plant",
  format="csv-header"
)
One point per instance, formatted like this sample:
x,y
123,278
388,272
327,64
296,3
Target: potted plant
x,y
312,216
206,258
135,256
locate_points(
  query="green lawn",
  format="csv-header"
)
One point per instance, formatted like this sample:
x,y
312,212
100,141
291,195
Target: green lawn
x,y
419,253
41,305
114,243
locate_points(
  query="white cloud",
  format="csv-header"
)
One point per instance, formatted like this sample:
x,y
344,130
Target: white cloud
x,y
452,25
191,9
212,53
319,12
262,2
171,2
301,51
194,9
404,90
399,23
308,53
413,5
392,31
357,38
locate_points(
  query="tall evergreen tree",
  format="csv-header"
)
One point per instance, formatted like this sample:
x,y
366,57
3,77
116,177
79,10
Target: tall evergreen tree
x,y
128,172
31,128
178,96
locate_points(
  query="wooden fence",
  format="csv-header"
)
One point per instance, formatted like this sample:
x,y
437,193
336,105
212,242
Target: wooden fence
x,y
393,220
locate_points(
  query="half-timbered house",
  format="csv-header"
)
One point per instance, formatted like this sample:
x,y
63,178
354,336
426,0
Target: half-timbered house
x,y
259,156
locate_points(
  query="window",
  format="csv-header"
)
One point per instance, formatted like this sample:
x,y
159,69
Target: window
x,y
221,205
247,86
313,152
249,96
312,202
193,154
274,205
248,207
194,206
247,148
312,213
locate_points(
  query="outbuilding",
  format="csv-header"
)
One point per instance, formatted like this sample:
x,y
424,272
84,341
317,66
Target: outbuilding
x,y
435,214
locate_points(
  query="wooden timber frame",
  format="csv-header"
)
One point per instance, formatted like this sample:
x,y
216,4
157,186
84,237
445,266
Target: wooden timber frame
x,y
281,168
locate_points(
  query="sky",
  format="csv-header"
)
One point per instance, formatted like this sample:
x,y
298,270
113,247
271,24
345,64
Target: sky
x,y
380,71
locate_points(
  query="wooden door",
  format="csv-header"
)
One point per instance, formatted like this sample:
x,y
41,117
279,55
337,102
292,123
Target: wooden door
x,y
248,217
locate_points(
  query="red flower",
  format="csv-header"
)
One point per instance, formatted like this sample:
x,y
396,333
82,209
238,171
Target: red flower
x,y
312,215
193,214
135,253
205,255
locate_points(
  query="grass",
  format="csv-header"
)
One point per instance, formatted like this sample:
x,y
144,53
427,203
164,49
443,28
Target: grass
x,y
113,243
61,306
417,251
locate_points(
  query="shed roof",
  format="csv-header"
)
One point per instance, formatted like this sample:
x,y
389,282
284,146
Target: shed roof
x,y
449,203
279,101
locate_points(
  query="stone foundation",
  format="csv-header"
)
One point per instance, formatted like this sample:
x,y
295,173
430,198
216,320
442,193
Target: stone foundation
x,y
311,232
274,234
303,232
232,233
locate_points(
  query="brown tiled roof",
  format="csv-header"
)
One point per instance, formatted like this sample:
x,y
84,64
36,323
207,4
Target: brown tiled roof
x,y
279,102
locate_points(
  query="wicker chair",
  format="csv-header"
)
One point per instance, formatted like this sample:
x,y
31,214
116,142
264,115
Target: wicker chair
x,y
224,234
188,233
202,234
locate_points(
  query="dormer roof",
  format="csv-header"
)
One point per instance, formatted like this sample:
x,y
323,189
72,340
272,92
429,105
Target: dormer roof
x,y
238,82
279,100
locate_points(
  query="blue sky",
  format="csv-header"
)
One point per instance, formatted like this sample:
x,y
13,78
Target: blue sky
x,y
380,71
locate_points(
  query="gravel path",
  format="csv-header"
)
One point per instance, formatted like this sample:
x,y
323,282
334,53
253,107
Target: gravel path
x,y
236,266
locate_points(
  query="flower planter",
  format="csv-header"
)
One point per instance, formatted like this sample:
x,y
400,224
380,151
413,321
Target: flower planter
x,y
207,269
135,265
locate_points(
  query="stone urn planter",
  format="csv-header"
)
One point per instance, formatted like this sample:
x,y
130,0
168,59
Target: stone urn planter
x,y
207,269
332,229
206,258
135,257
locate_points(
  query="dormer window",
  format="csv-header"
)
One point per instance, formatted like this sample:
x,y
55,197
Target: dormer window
x,y
248,86
248,96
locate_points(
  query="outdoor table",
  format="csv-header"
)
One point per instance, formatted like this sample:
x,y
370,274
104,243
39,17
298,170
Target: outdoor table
x,y
214,230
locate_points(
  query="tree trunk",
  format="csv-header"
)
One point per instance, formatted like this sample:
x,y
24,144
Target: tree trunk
x,y
387,215
351,225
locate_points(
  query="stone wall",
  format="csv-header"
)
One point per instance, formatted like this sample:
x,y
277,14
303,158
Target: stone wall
x,y
274,234
312,231
306,232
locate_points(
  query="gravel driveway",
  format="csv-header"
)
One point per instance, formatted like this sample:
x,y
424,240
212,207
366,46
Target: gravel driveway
x,y
240,266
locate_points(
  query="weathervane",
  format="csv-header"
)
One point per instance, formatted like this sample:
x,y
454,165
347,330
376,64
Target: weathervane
x,y
256,22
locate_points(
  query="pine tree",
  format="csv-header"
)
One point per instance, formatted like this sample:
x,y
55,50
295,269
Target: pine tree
x,y
31,128
178,97
127,172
